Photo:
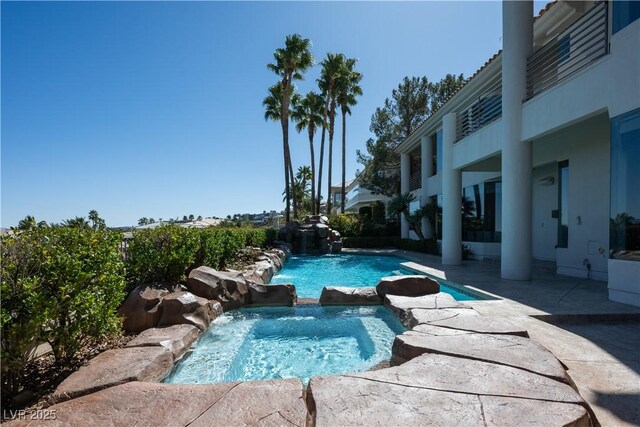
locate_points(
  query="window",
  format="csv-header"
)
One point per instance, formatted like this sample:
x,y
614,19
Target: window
x,y
563,204
481,212
624,233
624,13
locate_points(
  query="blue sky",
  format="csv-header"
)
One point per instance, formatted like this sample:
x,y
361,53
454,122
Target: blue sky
x,y
154,108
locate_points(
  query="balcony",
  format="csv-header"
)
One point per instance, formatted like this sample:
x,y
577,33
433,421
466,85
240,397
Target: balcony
x,y
580,44
415,180
480,110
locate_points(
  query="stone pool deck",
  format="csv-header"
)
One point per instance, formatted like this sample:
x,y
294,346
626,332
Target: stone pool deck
x,y
596,339
488,362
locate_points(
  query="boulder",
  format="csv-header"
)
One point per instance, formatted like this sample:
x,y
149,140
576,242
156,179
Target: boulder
x,y
336,247
334,235
176,338
186,308
465,320
444,391
281,294
508,350
253,274
277,402
336,295
114,367
322,230
409,286
142,308
266,270
230,289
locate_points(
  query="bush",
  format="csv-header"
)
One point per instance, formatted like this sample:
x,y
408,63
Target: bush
x,y
162,254
59,285
166,254
348,225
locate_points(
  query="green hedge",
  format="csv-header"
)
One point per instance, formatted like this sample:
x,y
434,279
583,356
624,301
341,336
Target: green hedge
x,y
427,246
59,285
166,254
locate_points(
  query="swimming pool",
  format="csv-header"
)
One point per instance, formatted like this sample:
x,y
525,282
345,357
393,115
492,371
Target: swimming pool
x,y
310,274
289,342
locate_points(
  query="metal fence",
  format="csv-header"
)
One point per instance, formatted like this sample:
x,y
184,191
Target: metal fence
x,y
480,110
584,41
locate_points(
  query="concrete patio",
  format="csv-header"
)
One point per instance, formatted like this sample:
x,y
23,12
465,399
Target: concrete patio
x,y
596,339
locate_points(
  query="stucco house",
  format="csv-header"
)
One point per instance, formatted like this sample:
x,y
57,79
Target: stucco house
x,y
541,148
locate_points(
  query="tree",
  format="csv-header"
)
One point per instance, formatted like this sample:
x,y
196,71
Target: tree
x,y
347,89
289,64
333,67
400,205
77,222
143,221
273,111
97,223
308,114
199,218
444,89
191,217
411,103
27,223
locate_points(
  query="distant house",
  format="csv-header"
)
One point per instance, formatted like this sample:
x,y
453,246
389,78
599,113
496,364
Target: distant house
x,y
361,200
541,148
336,194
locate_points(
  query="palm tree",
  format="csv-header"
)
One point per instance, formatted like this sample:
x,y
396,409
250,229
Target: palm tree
x,y
333,66
289,64
77,222
347,89
308,115
400,205
27,223
273,111
96,221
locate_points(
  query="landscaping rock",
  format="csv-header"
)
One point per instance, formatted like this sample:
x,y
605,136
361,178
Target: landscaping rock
x,y
281,294
508,350
465,320
322,230
442,390
253,274
230,289
336,247
142,308
334,235
264,403
336,295
176,338
403,305
114,367
185,308
409,286
266,270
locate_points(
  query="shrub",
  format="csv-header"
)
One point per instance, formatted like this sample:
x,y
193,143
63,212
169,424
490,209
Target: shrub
x,y
60,285
162,254
348,225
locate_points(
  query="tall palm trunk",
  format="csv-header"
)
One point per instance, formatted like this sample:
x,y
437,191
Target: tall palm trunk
x,y
332,121
313,171
285,138
318,200
344,145
287,190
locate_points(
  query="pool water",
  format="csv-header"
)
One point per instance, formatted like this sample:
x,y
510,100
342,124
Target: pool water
x,y
310,274
290,342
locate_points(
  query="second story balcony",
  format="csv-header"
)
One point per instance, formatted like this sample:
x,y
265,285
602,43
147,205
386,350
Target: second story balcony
x,y
480,110
574,48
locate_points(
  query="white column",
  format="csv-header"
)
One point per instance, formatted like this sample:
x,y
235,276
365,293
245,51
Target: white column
x,y
426,170
517,44
405,172
451,196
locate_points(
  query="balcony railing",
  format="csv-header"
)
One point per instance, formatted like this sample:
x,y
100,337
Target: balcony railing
x,y
584,41
415,180
481,110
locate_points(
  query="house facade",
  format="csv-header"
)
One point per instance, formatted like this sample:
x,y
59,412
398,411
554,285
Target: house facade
x,y
360,199
538,155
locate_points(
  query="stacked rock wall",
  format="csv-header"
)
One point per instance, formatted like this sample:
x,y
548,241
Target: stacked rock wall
x,y
312,237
